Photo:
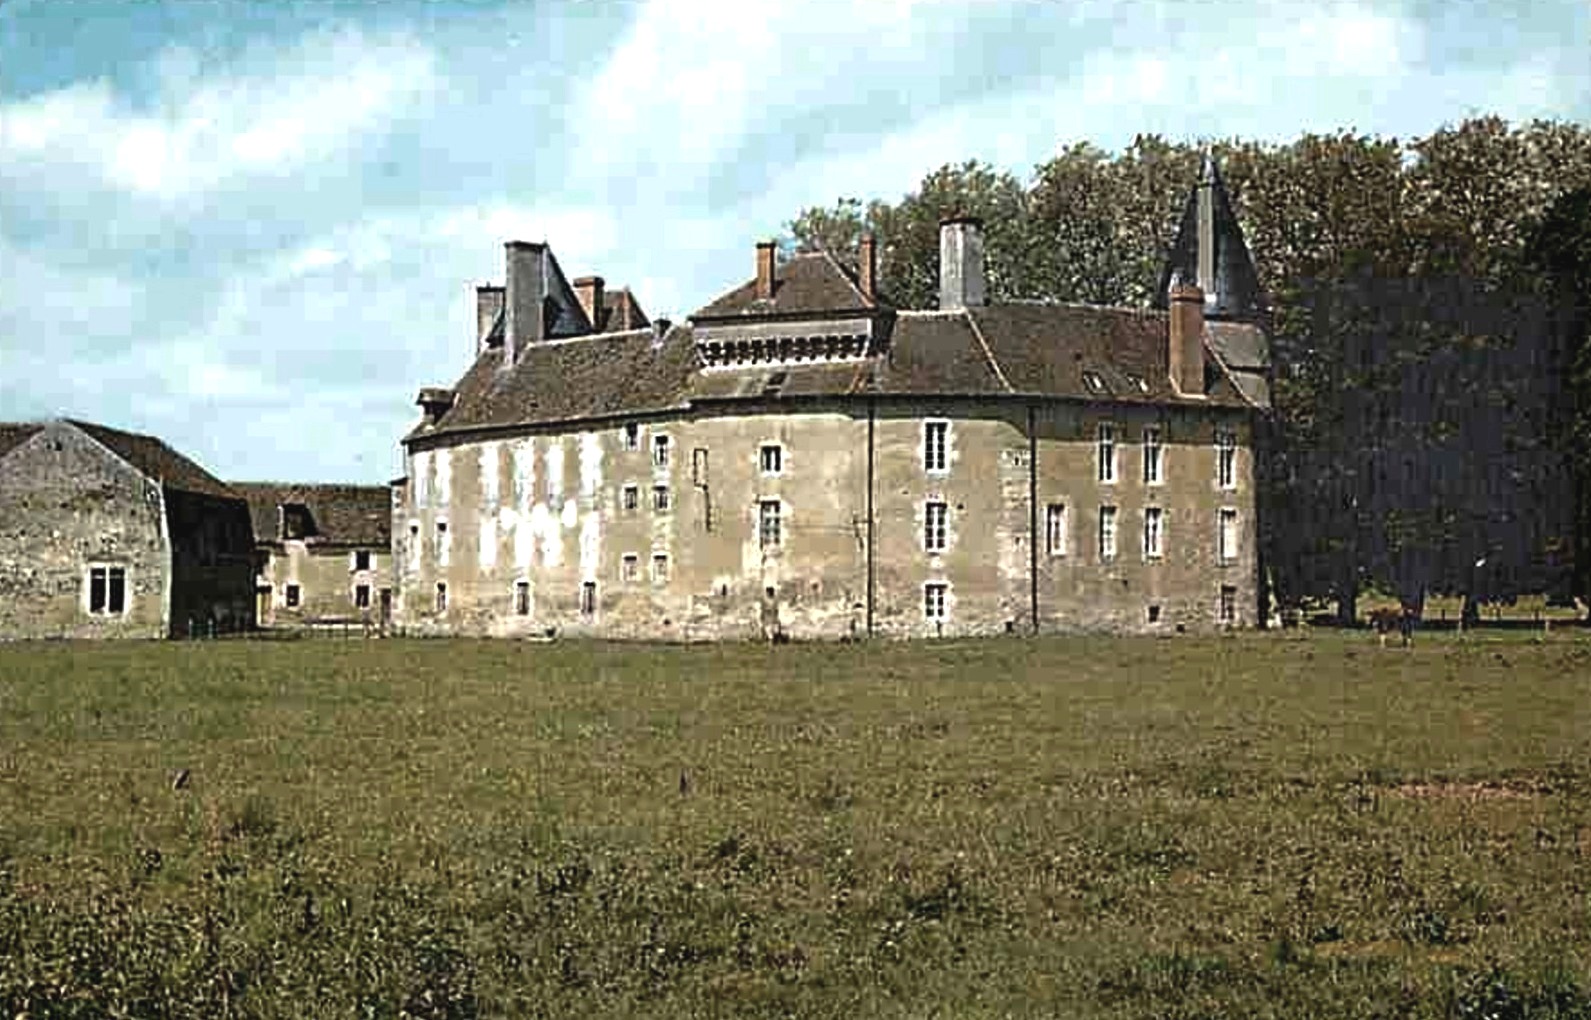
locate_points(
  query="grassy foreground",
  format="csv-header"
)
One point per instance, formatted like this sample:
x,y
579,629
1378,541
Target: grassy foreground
x,y
1263,825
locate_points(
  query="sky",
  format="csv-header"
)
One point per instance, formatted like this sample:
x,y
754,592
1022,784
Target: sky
x,y
254,230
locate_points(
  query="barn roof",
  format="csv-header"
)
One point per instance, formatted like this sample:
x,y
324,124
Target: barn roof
x,y
155,460
341,514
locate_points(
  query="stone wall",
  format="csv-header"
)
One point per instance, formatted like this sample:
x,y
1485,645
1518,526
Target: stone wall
x,y
68,505
212,564
328,580
516,527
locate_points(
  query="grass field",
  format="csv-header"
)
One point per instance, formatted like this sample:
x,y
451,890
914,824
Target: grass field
x,y
1276,825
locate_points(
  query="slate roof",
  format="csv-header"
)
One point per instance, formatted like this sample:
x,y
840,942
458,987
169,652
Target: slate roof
x,y
156,461
614,303
14,434
341,514
807,284
1235,293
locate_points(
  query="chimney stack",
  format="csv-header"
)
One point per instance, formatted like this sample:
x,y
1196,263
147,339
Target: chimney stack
x,y
589,290
765,251
488,306
867,268
1185,355
526,297
960,263
435,401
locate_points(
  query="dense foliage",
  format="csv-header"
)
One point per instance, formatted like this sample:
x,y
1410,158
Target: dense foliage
x,y
1429,330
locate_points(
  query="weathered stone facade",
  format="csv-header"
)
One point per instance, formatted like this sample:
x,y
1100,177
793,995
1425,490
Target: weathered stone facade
x,y
800,459
109,534
323,553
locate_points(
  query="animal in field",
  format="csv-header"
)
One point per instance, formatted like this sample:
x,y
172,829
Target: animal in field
x,y
1390,618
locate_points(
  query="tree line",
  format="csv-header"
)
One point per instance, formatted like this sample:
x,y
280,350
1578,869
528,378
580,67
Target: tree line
x,y
1430,308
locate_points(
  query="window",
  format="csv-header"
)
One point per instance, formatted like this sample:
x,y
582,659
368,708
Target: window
x,y
522,598
1153,519
631,498
1107,452
1055,528
934,527
362,559
771,458
632,436
1152,455
107,590
291,595
1093,381
659,567
1226,459
588,598
629,568
660,451
1226,549
934,601
1228,604
768,523
936,438
1154,613
1107,532
441,543
362,596
441,596
660,498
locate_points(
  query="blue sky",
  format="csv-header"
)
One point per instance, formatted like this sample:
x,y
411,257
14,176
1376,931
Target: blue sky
x,y
254,229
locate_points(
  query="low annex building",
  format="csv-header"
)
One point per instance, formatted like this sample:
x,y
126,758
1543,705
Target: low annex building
x,y
105,533
323,553
801,458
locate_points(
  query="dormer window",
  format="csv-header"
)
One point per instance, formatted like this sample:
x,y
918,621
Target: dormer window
x,y
296,521
1094,383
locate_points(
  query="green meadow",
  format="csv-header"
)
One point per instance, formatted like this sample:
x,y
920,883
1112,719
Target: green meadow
x,y
1286,825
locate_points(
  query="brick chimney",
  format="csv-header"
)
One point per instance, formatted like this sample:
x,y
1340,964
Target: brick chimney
x,y
624,308
526,297
960,262
867,268
1185,354
765,251
488,305
589,290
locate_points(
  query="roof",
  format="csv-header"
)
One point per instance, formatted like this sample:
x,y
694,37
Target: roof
x,y
615,303
14,434
588,377
810,282
1235,291
155,460
341,514
1080,352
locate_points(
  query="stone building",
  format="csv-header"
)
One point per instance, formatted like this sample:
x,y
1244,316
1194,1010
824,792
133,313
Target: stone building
x,y
323,553
801,458
105,533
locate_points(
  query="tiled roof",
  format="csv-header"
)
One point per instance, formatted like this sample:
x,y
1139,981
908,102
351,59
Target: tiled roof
x,y
157,461
807,283
614,305
341,514
1030,349
593,376
14,434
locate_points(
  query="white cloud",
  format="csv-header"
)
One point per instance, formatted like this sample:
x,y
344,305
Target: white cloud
x,y
322,97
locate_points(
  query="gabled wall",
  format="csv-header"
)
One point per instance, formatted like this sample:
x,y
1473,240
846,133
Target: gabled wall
x,y
67,504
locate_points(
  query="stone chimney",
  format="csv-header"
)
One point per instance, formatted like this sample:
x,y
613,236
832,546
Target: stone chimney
x,y
1185,354
765,251
435,401
867,268
589,290
526,297
488,305
960,262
